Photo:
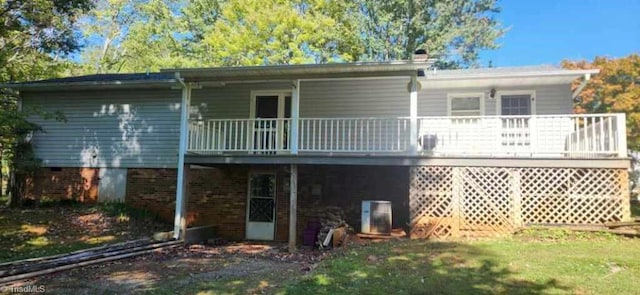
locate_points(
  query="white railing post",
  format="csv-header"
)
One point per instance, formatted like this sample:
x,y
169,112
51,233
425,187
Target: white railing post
x,y
295,114
413,115
621,130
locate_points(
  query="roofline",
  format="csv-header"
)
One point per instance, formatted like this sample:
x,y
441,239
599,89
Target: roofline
x,y
488,75
307,71
88,84
301,72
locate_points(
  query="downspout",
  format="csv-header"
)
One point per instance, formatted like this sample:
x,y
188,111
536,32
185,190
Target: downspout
x,y
584,82
180,218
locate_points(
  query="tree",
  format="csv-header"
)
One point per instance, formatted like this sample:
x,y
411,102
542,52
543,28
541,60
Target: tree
x,y
143,35
615,89
452,30
34,37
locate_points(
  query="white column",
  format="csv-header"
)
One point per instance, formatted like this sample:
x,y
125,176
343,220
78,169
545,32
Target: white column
x,y
413,115
621,130
295,114
293,207
181,196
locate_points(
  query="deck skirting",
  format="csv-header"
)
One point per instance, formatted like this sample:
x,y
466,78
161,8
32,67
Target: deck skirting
x,y
456,201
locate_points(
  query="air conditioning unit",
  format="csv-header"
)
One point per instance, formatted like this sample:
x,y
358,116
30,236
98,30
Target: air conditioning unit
x,y
376,217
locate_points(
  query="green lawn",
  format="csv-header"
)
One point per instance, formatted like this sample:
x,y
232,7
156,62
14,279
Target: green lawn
x,y
534,262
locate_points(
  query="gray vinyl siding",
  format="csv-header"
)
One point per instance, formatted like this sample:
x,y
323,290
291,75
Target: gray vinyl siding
x,y
227,102
549,99
318,99
362,98
98,124
354,98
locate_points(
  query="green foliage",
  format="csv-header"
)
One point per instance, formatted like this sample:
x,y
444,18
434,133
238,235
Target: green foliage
x,y
35,35
123,211
615,89
143,35
453,31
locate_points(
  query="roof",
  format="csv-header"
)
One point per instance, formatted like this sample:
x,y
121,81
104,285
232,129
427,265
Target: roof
x,y
503,76
106,78
481,73
302,72
169,77
98,81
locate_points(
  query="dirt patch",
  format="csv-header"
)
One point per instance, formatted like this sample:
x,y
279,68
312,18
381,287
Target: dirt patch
x,y
236,268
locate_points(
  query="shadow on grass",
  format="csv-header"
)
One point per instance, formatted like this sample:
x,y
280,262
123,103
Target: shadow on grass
x,y
418,267
635,208
59,227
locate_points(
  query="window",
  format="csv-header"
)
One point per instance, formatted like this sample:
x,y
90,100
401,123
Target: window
x,y
466,104
516,103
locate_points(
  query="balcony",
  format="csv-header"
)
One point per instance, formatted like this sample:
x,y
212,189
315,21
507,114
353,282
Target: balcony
x,y
544,136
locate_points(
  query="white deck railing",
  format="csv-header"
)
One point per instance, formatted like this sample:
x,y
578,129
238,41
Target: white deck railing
x,y
239,135
586,136
363,135
583,136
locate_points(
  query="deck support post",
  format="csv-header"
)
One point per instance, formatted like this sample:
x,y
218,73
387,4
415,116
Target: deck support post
x,y
179,221
293,200
295,115
413,115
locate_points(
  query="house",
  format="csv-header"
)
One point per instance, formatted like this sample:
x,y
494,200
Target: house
x,y
259,151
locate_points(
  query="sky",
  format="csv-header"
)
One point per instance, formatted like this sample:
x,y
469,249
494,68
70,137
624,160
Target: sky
x,y
548,31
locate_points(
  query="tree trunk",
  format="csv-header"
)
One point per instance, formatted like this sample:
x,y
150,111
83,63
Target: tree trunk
x,y
13,191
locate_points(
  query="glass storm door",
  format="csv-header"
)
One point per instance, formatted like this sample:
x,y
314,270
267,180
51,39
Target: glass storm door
x,y
261,207
516,133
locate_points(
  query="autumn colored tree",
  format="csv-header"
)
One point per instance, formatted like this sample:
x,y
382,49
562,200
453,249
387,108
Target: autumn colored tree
x,y
616,89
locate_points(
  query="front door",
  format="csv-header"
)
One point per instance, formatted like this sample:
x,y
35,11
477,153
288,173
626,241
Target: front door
x,y
261,207
271,129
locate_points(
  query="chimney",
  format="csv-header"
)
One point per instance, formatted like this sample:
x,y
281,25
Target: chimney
x,y
420,55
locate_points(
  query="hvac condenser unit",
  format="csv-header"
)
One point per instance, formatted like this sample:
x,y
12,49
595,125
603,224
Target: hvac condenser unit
x,y
376,217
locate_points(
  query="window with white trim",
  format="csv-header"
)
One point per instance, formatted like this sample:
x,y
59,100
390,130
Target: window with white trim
x,y
466,105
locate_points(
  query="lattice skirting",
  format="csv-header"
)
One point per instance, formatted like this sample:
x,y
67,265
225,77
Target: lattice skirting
x,y
454,201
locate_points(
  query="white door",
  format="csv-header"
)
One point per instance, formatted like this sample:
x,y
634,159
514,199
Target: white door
x,y
261,207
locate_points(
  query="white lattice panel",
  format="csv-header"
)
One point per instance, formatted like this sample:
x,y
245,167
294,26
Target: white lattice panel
x,y
487,200
574,196
450,201
430,200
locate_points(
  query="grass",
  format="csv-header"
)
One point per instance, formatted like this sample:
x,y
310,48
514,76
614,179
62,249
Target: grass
x,y
534,262
58,228
635,209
